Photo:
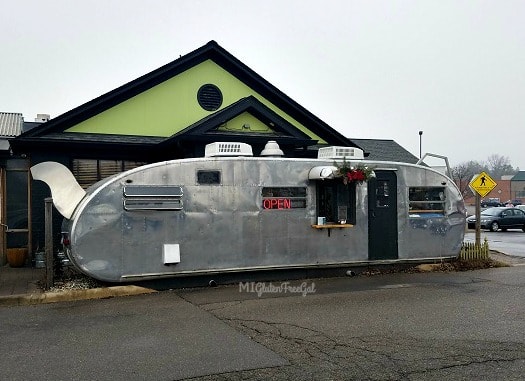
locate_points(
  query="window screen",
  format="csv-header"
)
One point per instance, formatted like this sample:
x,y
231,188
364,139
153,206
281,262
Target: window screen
x,y
89,171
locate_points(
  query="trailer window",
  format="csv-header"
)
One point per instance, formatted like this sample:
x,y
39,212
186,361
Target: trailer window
x,y
336,201
284,197
426,201
208,177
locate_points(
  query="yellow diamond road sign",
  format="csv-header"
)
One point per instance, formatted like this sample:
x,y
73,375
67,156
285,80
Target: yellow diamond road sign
x,y
483,184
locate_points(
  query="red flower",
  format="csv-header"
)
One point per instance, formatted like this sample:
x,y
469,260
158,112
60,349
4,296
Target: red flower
x,y
354,175
358,175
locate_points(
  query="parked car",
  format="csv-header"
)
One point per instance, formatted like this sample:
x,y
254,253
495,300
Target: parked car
x,y
497,218
491,202
512,202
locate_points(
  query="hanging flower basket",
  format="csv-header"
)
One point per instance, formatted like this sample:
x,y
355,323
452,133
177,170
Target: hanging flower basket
x,y
358,173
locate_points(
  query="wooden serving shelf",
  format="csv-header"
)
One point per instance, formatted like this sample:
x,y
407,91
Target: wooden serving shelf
x,y
329,227
332,226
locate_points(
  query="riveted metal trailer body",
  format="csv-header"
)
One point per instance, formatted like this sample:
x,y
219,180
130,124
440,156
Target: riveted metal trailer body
x,y
223,214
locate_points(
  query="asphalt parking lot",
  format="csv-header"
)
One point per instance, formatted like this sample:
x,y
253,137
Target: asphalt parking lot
x,y
405,326
511,242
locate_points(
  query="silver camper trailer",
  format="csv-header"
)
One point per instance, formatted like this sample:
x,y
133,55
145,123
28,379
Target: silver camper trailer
x,y
232,212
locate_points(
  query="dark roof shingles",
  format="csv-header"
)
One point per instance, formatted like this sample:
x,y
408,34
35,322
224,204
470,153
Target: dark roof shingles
x,y
385,150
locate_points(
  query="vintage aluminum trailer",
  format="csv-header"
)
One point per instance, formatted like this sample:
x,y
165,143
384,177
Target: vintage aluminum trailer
x,y
230,211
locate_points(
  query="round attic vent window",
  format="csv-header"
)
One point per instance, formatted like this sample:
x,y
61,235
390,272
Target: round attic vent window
x,y
209,97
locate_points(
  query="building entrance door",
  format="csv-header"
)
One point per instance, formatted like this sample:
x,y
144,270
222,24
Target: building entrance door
x,y
15,213
382,216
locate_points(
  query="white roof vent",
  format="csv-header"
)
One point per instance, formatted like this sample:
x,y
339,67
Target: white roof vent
x,y
42,118
227,149
272,149
335,152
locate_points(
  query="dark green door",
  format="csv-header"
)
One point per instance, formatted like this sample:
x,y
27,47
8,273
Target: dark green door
x,y
382,216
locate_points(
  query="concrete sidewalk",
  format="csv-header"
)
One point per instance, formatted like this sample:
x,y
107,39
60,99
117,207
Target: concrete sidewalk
x,y
23,286
20,280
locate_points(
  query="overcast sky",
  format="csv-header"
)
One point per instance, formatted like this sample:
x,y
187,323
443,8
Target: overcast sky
x,y
381,69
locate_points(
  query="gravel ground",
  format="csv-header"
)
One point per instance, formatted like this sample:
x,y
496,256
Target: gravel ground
x,y
72,280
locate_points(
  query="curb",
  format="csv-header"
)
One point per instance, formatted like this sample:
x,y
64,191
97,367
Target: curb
x,y
73,295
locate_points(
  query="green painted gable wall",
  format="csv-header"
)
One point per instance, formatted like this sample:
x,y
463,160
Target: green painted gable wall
x,y
172,106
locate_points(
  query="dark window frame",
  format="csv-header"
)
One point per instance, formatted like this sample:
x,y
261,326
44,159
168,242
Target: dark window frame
x,y
208,177
333,198
426,200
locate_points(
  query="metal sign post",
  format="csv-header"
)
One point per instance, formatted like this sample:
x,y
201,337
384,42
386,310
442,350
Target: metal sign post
x,y
477,241
481,184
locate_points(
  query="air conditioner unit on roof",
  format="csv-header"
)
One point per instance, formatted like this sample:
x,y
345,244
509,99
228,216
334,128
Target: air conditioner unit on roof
x,y
227,149
335,152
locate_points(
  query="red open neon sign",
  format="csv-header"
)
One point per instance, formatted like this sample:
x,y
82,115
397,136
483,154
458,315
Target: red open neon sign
x,y
277,203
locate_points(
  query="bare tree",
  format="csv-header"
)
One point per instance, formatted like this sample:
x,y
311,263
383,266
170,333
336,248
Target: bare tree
x,y
498,166
462,174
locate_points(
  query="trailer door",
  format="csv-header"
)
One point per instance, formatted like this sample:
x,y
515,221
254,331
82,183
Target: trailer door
x,y
382,216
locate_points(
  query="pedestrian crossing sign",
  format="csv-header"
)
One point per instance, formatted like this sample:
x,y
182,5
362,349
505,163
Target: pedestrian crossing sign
x,y
483,184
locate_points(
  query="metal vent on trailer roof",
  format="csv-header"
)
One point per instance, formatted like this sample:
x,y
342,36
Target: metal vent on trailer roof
x,y
335,152
227,149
